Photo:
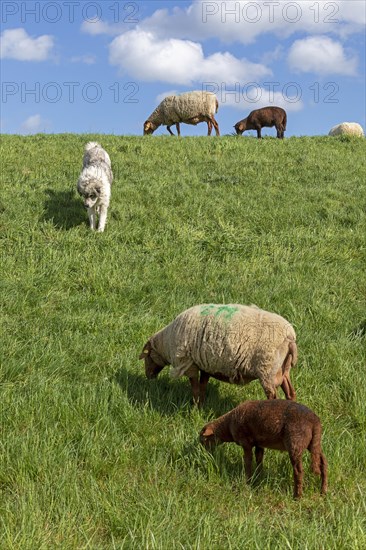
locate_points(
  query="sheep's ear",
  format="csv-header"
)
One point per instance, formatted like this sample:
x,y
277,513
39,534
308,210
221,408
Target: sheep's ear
x,y
208,431
145,352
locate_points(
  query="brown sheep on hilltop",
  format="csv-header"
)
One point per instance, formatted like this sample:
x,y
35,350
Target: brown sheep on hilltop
x,y
265,117
281,425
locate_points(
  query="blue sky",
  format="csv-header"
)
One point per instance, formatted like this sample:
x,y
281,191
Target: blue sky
x,y
103,66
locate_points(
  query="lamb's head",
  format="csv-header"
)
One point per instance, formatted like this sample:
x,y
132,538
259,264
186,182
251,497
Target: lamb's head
x,y
89,191
208,438
149,127
154,363
241,126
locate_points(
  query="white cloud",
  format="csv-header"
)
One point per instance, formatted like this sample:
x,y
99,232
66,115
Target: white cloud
x,y
142,55
88,59
17,44
34,124
255,97
320,55
102,27
163,95
244,21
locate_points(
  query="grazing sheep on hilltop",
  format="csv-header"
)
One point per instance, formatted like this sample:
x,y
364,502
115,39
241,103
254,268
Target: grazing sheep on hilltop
x,y
233,343
267,116
280,425
348,129
190,108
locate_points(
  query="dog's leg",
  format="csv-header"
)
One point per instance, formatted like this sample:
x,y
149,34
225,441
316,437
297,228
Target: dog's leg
x,y
102,218
92,217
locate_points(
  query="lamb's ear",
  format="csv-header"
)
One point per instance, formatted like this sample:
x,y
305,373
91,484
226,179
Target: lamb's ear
x,y
146,350
208,431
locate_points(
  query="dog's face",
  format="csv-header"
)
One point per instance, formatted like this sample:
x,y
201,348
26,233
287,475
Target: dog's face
x,y
89,195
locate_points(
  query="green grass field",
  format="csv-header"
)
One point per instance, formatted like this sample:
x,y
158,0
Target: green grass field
x,y
94,455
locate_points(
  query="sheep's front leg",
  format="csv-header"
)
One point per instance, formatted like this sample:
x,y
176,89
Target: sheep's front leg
x,y
178,128
102,218
259,453
169,130
248,458
92,217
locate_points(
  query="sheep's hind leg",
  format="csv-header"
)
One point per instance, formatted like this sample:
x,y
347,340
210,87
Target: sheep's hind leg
x,y
195,385
298,474
269,390
323,473
204,378
288,388
216,126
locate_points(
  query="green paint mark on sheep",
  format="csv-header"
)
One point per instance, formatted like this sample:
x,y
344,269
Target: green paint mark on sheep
x,y
226,312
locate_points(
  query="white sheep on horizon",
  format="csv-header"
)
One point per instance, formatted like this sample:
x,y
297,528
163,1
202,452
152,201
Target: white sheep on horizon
x,y
190,108
348,129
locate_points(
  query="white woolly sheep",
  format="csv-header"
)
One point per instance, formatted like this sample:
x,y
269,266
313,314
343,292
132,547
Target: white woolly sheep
x,y
348,129
233,343
190,108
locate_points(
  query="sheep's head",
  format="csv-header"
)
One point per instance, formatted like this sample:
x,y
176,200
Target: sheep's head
x,y
149,127
154,363
241,126
208,438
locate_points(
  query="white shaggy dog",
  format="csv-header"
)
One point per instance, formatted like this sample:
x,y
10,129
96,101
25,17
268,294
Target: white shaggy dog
x,y
94,183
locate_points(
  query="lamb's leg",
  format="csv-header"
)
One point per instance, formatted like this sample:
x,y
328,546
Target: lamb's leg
x,y
324,474
259,453
204,378
92,217
248,457
298,474
102,218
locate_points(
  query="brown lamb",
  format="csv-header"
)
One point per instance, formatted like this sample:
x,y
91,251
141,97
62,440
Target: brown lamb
x,y
265,117
281,425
